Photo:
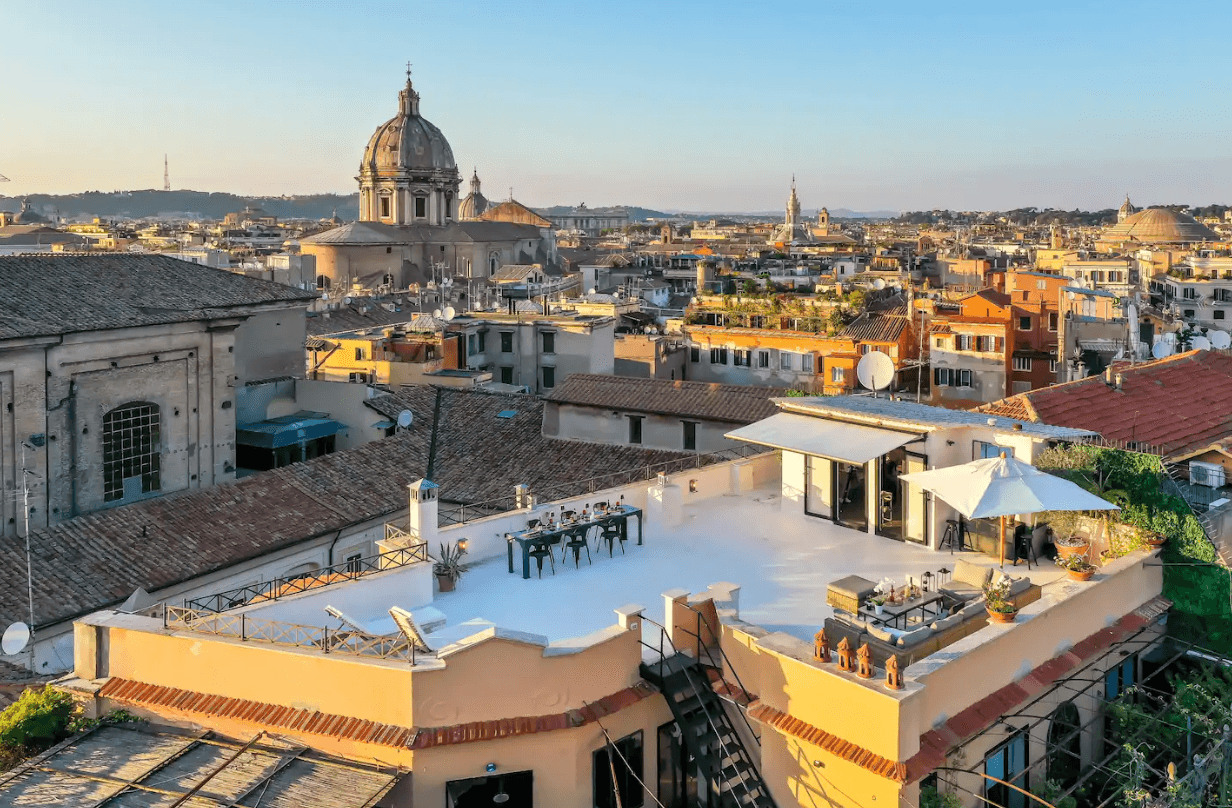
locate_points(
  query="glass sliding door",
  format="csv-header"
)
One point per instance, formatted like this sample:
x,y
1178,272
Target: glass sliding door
x,y
914,502
850,495
818,486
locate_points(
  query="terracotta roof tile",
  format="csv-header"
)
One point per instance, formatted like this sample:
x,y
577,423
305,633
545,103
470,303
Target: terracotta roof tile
x,y
884,767
1173,405
733,403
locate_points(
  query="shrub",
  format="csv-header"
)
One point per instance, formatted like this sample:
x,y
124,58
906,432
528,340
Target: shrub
x,y
35,721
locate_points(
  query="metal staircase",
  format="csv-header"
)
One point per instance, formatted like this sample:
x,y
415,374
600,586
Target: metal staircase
x,y
706,729
1198,500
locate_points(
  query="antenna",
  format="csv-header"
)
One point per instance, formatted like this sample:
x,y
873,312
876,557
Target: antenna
x,y
166,174
875,371
15,639
404,419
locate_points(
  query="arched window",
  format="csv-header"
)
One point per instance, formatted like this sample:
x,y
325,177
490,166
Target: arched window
x,y
323,282
130,451
493,263
1064,745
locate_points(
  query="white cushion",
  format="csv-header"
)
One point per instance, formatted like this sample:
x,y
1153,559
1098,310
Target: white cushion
x,y
967,573
918,635
947,622
884,634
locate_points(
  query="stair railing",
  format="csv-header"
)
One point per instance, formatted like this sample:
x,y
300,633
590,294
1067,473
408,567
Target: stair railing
x,y
718,645
664,637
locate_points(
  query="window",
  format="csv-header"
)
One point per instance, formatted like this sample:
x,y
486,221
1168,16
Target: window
x,y
1041,284
1022,363
763,359
1053,365
353,564
939,342
358,377
718,356
1120,677
1188,312
865,350
951,377
1024,323
635,429
806,362
506,375
549,377
1223,295
421,207
385,207
987,344
741,359
838,375
695,353
506,341
472,344
323,282
1064,745
1009,763
784,360
130,451
549,342
359,353
1219,314
616,774
493,262
1052,321
690,435
1188,293
984,450
962,342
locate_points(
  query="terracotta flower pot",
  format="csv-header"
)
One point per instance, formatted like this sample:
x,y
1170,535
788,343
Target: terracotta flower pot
x,y
445,583
1156,540
1069,552
1001,617
1080,575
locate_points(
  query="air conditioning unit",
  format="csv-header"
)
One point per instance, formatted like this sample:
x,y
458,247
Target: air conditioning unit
x,y
1208,474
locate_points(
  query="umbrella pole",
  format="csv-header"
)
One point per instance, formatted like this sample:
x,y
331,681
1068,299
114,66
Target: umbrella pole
x,y
1002,541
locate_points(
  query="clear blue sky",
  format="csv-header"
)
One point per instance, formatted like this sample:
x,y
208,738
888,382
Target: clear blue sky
x,y
681,105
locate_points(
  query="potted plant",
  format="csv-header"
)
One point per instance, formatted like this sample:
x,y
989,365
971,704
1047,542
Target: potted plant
x,y
997,602
1076,567
448,567
877,603
1070,546
1155,540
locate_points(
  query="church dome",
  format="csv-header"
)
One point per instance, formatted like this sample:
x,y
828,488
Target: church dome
x,y
1159,226
473,204
407,142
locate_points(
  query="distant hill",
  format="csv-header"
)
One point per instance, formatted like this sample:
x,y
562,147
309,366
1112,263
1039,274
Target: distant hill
x,y
636,214
193,204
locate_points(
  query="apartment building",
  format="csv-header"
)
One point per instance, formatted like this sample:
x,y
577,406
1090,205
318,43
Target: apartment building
x,y
971,353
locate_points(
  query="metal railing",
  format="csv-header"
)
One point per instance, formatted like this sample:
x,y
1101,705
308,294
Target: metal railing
x,y
283,587
741,704
243,627
460,513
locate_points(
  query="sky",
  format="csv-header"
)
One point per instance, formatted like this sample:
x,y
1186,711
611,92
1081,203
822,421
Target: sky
x,y
674,105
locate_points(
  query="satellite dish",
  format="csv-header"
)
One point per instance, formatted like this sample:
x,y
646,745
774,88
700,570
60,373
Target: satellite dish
x,y
404,418
879,283
591,291
1200,344
16,637
1162,349
436,313
1220,339
875,371
346,300
450,313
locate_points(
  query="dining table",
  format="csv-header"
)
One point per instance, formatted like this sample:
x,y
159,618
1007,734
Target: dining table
x,y
557,532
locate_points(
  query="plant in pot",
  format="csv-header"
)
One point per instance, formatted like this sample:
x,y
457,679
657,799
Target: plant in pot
x,y
997,601
877,603
448,567
1076,567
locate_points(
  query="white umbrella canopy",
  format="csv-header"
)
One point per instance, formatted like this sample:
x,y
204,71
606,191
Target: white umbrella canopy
x,y
1003,486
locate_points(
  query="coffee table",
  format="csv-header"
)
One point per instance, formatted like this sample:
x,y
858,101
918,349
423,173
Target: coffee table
x,y
899,615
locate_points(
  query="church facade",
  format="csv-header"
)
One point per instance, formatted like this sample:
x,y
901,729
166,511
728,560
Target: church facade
x,y
413,226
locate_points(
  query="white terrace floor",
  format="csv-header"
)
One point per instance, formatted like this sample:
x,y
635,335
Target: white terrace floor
x,y
781,559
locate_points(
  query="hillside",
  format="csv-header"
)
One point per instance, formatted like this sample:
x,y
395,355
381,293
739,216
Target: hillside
x,y
192,204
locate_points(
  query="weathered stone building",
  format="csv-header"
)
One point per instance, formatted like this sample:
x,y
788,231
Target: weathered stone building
x,y
118,376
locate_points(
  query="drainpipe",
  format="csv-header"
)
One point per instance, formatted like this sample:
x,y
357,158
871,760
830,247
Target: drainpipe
x,y
330,557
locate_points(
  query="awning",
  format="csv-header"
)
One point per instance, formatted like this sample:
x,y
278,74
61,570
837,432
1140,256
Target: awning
x,y
808,434
279,432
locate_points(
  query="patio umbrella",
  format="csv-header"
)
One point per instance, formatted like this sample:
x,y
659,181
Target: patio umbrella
x,y
1003,486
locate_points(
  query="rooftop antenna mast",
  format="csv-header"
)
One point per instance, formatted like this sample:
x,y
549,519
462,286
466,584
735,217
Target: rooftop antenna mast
x,y
166,174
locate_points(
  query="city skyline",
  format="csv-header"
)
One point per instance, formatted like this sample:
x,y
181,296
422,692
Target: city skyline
x,y
693,107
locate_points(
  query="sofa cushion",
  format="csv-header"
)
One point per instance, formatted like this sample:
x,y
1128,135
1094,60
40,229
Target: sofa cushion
x,y
972,609
915,636
882,633
946,622
971,574
961,591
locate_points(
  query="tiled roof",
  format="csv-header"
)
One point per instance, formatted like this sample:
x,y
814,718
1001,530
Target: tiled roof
x,y
731,403
854,753
98,560
877,326
514,450
936,743
173,701
992,296
60,294
363,314
1180,403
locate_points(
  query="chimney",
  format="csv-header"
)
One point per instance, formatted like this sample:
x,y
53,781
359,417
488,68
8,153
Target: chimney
x,y
1119,378
1108,377
421,515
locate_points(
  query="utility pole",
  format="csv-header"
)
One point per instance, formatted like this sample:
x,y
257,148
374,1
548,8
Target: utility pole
x,y
25,515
